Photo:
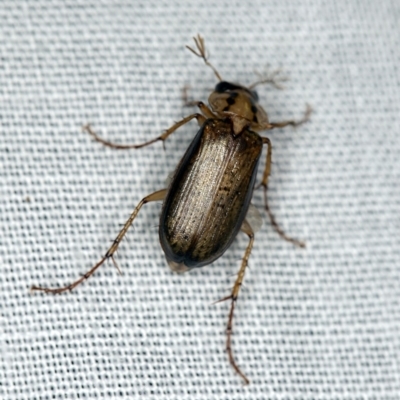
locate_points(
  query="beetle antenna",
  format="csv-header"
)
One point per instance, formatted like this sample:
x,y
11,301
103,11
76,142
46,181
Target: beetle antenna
x,y
202,53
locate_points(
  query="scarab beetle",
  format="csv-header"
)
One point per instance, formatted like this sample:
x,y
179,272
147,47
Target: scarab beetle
x,y
208,199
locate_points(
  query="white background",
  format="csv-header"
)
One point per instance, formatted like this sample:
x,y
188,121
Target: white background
x,y
319,323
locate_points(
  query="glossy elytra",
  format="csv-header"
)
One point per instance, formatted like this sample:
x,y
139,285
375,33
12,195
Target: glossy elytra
x,y
208,198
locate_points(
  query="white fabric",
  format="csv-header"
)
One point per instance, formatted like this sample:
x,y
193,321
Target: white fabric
x,y
319,323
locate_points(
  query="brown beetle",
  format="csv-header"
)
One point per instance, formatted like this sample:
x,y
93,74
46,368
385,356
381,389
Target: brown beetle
x,y
209,195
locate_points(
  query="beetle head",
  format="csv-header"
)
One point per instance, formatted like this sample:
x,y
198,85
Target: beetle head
x,y
230,99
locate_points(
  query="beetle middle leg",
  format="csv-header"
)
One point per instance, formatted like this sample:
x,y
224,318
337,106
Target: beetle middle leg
x,y
156,196
264,184
247,229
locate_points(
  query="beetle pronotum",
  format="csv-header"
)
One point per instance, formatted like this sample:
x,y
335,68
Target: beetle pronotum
x,y
208,198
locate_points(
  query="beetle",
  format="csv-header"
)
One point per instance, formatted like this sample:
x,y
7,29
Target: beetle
x,y
208,199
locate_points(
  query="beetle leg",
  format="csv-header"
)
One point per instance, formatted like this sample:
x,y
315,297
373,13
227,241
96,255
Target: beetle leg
x,y
205,110
202,53
200,120
87,128
264,184
156,196
272,125
185,97
246,228
195,103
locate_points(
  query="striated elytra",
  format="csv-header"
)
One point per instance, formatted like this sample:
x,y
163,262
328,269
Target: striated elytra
x,y
209,195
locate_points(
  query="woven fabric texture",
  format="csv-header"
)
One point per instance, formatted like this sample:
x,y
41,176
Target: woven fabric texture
x,y
315,323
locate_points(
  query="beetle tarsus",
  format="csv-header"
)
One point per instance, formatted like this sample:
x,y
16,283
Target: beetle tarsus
x,y
156,196
87,128
246,228
185,98
232,361
293,123
73,285
274,78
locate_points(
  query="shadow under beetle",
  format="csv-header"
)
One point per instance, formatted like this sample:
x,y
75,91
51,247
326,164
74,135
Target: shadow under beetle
x,y
209,195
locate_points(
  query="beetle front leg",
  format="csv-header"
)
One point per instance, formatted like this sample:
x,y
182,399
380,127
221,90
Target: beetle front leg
x,y
156,196
306,117
264,184
274,78
87,128
193,103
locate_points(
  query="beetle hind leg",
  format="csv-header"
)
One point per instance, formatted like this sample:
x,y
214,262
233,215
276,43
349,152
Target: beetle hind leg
x,y
156,196
246,228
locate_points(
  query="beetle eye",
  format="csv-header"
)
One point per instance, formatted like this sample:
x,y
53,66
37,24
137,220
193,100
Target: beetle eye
x,y
222,87
254,95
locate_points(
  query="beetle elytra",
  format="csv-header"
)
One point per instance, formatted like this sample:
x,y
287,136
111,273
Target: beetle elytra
x,y
207,201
